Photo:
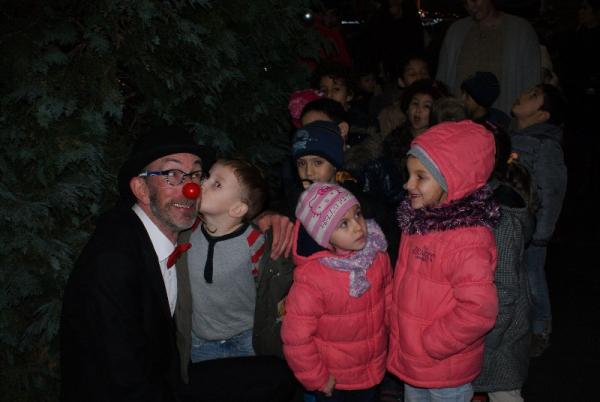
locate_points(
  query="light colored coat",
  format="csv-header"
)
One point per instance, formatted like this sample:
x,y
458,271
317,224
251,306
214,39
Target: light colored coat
x,y
521,59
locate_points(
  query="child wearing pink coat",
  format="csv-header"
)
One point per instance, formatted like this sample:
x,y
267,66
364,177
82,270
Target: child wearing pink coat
x,y
334,332
444,298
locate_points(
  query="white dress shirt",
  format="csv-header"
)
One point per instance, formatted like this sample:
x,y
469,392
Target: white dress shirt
x,y
163,248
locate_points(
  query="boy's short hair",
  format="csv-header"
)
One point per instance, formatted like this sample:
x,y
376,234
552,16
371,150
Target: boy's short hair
x,y
447,108
554,104
253,186
333,109
337,72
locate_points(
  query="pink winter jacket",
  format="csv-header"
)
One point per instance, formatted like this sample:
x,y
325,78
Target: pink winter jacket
x,y
326,331
444,298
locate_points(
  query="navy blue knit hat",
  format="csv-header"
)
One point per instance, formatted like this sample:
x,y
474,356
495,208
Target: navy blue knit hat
x,y
483,87
321,138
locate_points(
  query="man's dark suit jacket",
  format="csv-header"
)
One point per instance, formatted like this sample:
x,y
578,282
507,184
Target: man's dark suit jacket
x,y
117,334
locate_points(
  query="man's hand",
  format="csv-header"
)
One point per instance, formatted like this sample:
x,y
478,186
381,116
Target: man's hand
x,y
329,385
283,234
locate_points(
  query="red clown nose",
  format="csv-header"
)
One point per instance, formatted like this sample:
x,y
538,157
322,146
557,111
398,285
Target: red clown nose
x,y
191,190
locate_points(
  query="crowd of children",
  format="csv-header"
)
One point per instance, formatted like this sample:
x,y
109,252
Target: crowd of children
x,y
422,220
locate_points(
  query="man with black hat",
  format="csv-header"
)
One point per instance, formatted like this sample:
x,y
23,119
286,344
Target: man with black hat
x,y
117,333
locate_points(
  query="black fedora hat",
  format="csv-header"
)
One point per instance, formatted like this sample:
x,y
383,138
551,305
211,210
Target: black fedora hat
x,y
155,144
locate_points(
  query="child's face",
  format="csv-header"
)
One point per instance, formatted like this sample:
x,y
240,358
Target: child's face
x,y
528,104
587,16
351,233
368,83
335,89
313,168
415,70
423,189
419,109
221,191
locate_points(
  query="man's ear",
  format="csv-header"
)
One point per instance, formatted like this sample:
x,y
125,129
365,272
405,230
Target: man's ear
x,y
542,116
140,190
401,83
238,210
344,129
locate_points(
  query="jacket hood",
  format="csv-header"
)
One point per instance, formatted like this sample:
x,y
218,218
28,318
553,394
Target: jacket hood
x,y
464,153
542,130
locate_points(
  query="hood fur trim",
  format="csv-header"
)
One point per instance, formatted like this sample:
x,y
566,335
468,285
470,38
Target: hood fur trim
x,y
477,209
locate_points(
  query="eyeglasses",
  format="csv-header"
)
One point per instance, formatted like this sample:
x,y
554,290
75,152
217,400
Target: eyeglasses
x,y
175,176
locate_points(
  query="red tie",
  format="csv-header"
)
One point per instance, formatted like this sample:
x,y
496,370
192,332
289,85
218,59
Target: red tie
x,y
179,250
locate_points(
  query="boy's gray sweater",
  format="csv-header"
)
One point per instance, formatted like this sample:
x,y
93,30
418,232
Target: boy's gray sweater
x,y
539,149
225,307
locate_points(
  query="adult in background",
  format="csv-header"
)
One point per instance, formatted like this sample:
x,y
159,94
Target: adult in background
x,y
117,332
393,36
491,40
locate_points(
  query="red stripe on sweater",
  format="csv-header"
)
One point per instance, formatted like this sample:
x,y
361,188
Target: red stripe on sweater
x,y
258,254
253,236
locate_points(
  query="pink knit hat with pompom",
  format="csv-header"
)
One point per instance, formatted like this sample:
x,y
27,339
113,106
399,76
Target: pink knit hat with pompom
x,y
321,208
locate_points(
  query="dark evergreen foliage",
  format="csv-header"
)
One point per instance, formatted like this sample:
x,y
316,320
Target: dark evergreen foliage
x,y
79,80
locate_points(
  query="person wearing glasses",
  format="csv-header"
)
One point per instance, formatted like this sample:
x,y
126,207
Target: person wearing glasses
x,y
117,334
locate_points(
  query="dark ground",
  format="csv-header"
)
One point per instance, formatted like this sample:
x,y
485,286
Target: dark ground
x,y
568,371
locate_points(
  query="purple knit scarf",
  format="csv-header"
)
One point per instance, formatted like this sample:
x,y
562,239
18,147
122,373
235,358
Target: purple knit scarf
x,y
357,263
477,209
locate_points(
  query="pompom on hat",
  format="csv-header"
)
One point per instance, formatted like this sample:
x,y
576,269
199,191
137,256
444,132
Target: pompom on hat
x,y
321,208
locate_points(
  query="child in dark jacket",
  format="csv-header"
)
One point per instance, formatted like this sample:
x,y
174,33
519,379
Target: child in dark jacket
x,y
444,298
334,333
506,352
537,145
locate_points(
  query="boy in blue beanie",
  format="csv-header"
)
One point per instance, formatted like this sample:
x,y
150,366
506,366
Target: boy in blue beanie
x,y
318,151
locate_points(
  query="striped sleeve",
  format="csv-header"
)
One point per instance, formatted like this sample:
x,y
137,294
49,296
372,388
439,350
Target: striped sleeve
x,y
256,243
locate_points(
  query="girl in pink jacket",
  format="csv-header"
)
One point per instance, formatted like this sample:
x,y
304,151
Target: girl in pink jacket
x,y
333,331
444,299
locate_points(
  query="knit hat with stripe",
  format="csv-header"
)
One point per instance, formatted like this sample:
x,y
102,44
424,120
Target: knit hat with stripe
x,y
321,208
321,138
